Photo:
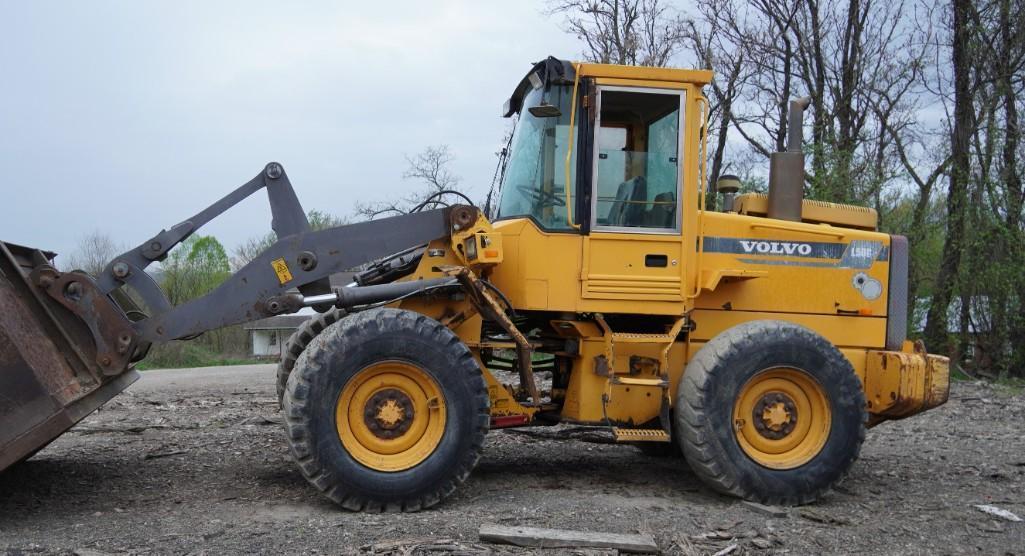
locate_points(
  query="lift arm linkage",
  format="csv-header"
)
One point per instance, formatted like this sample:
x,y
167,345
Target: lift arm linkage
x,y
300,258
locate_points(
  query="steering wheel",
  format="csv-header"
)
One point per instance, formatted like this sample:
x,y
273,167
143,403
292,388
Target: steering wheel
x,y
542,197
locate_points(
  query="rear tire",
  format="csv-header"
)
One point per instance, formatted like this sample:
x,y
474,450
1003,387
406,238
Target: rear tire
x,y
772,412
386,411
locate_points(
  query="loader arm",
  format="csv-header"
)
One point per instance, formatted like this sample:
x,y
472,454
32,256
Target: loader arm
x,y
68,340
300,259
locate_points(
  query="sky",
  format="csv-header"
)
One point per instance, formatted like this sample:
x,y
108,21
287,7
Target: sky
x,y
128,117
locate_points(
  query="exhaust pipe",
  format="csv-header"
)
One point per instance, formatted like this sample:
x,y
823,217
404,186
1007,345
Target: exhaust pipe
x,y
786,169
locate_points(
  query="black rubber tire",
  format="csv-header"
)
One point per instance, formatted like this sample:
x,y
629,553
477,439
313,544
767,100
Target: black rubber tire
x,y
333,358
711,384
298,341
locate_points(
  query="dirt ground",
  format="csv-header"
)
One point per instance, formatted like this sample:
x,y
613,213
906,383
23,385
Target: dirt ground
x,y
195,461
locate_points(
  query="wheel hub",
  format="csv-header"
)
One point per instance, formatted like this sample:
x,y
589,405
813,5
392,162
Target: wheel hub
x,y
388,413
782,417
391,415
774,415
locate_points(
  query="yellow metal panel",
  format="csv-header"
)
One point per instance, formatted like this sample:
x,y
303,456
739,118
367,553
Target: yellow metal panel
x,y
899,384
827,285
636,403
857,357
853,216
616,267
712,277
568,262
502,402
536,294
558,259
698,77
612,82
842,331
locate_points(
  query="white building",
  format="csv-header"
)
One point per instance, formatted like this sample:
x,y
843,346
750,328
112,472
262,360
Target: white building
x,y
267,336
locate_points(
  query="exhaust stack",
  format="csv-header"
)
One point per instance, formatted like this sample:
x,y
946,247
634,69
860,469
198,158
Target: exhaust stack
x,y
786,169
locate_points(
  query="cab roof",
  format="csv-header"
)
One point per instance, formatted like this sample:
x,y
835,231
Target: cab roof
x,y
553,71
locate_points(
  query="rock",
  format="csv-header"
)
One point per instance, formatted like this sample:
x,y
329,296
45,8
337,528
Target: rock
x,y
999,512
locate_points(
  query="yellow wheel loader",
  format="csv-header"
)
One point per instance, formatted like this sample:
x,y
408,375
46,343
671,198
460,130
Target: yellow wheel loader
x,y
760,341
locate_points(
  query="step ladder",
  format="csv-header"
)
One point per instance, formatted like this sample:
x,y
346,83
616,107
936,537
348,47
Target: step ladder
x,y
641,435
605,366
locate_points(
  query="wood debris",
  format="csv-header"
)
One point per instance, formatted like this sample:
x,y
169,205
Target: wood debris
x,y
774,511
561,538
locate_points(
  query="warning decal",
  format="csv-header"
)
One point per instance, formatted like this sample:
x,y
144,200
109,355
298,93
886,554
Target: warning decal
x,y
281,269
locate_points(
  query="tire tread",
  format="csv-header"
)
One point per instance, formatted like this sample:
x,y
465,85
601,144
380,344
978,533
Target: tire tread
x,y
706,458
313,360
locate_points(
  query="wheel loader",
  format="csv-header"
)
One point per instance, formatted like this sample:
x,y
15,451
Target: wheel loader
x,y
760,340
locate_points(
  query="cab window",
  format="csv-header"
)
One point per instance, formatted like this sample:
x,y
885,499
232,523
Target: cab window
x,y
637,160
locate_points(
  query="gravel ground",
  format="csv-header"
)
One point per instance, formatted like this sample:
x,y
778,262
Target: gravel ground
x,y
195,461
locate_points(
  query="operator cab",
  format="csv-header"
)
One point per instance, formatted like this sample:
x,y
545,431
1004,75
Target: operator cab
x,y
628,178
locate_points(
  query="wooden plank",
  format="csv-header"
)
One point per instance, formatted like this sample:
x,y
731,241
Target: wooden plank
x,y
561,538
774,511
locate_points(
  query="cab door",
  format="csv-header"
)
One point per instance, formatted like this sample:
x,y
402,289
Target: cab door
x,y
634,250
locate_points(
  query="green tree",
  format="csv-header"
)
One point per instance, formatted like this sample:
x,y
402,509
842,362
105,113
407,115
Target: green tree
x,y
194,268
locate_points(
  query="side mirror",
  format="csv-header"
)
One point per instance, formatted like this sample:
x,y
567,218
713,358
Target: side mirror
x,y
545,111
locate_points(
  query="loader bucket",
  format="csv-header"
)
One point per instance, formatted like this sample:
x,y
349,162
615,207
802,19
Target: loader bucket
x,y
49,379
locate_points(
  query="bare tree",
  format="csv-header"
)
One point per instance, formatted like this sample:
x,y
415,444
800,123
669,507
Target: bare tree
x,y
250,249
92,253
855,59
937,326
431,168
632,32
716,52
254,246
878,72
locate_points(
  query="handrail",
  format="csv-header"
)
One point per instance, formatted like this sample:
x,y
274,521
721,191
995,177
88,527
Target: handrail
x,y
569,146
703,154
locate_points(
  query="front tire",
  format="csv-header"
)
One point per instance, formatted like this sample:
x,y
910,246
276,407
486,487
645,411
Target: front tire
x,y
386,410
770,411
298,341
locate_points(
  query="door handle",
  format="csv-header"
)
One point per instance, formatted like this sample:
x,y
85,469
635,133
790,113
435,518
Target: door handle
x,y
656,260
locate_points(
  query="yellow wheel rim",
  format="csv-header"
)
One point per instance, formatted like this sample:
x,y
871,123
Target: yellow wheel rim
x,y
390,416
781,418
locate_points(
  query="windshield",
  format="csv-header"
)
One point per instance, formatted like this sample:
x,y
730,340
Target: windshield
x,y
535,179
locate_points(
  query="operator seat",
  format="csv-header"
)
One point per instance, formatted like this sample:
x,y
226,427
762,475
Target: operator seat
x,y
628,208
662,213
